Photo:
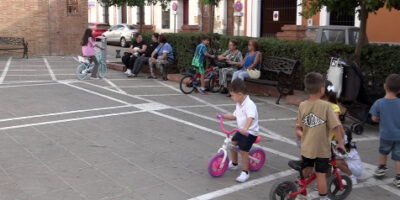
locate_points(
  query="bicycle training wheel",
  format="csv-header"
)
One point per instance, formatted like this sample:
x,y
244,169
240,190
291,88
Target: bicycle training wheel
x,y
186,84
82,72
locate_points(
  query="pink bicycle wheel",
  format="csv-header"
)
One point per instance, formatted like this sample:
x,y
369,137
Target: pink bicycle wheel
x,y
214,165
260,155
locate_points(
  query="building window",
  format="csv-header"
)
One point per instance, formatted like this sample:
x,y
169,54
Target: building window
x,y
342,18
72,7
166,19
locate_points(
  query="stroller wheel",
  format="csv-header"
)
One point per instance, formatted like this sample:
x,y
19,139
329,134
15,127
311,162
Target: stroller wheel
x,y
357,128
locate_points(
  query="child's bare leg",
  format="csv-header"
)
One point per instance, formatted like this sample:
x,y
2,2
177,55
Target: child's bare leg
x,y
321,183
245,160
307,171
382,159
342,165
397,167
234,154
202,81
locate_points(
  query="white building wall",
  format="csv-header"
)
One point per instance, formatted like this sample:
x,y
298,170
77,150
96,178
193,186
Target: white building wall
x,y
194,12
299,18
253,18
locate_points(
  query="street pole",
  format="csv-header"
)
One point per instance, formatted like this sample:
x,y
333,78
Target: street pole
x,y
175,22
238,29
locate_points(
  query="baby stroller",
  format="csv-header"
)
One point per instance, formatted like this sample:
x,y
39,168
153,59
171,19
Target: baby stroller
x,y
353,93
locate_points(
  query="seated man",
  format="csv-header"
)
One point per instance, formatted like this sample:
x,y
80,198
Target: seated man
x,y
144,59
137,48
164,58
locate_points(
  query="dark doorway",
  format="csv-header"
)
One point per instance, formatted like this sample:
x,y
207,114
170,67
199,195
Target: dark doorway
x,y
342,18
186,12
287,15
106,15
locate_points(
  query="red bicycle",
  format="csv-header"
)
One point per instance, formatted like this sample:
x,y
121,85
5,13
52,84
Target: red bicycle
x,y
191,81
339,186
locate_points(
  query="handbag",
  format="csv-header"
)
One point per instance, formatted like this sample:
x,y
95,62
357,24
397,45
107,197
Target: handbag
x,y
254,74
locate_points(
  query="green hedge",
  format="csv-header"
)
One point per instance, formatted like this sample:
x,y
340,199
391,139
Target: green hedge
x,y
377,61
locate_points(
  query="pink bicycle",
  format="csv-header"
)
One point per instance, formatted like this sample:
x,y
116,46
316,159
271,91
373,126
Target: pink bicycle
x,y
219,162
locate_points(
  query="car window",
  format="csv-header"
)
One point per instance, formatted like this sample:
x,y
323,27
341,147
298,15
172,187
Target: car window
x,y
353,37
103,26
117,27
132,27
91,25
333,36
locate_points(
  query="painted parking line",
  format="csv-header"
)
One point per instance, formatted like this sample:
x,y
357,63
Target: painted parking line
x,y
53,77
69,120
242,186
114,86
6,68
30,85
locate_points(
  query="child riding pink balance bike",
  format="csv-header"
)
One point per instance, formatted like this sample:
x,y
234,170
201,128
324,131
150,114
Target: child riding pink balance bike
x,y
219,162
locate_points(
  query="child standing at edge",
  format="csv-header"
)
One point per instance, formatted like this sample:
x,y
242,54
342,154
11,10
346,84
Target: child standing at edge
x,y
386,111
88,44
198,60
246,117
315,120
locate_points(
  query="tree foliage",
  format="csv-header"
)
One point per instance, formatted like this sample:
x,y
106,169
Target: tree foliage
x,y
363,7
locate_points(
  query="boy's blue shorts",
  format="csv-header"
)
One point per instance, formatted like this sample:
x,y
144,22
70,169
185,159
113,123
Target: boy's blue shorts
x,y
387,146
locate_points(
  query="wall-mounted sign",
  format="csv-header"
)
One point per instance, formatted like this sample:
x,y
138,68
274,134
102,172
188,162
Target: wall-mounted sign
x,y
238,6
276,16
174,6
92,3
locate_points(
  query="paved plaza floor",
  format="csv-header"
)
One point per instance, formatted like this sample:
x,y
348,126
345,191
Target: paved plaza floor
x,y
120,139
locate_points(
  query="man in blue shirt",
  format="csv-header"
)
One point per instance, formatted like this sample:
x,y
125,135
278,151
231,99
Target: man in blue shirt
x,y
386,111
161,57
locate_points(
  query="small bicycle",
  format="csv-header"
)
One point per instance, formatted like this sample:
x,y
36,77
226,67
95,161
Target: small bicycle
x,y
339,186
191,81
219,162
85,68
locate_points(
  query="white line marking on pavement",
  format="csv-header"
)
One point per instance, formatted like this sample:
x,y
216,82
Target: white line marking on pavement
x,y
277,119
75,58
114,86
3,75
53,77
96,93
195,98
63,113
33,75
274,104
249,184
158,95
70,120
23,82
32,85
143,86
371,138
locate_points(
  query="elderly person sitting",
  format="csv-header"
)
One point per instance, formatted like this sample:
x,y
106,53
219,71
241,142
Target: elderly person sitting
x,y
234,55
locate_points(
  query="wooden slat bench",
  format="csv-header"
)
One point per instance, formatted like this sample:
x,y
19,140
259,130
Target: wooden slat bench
x,y
13,43
284,68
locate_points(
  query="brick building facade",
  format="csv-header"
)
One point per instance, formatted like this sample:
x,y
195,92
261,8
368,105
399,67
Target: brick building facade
x,y
51,27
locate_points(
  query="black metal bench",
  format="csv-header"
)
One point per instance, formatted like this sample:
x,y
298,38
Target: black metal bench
x,y
285,70
12,43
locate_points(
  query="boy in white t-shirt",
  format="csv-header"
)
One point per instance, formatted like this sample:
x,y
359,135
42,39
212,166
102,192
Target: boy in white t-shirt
x,y
246,117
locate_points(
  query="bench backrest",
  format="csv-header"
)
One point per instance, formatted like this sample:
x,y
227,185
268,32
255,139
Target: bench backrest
x,y
279,65
12,40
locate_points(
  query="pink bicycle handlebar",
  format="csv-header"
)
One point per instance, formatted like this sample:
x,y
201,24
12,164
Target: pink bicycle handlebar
x,y
221,125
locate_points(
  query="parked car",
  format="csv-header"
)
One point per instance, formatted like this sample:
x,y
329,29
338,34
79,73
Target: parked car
x,y
98,29
120,33
336,34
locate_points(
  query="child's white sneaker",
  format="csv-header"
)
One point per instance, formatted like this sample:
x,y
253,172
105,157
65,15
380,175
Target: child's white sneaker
x,y
231,166
243,177
128,71
354,179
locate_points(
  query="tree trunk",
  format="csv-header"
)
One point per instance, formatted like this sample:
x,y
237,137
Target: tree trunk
x,y
106,15
212,15
362,39
141,18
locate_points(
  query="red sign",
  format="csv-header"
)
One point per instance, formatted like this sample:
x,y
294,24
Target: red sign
x,y
174,6
238,6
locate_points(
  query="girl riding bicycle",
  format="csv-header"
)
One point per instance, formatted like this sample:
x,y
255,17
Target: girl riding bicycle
x,y
88,43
